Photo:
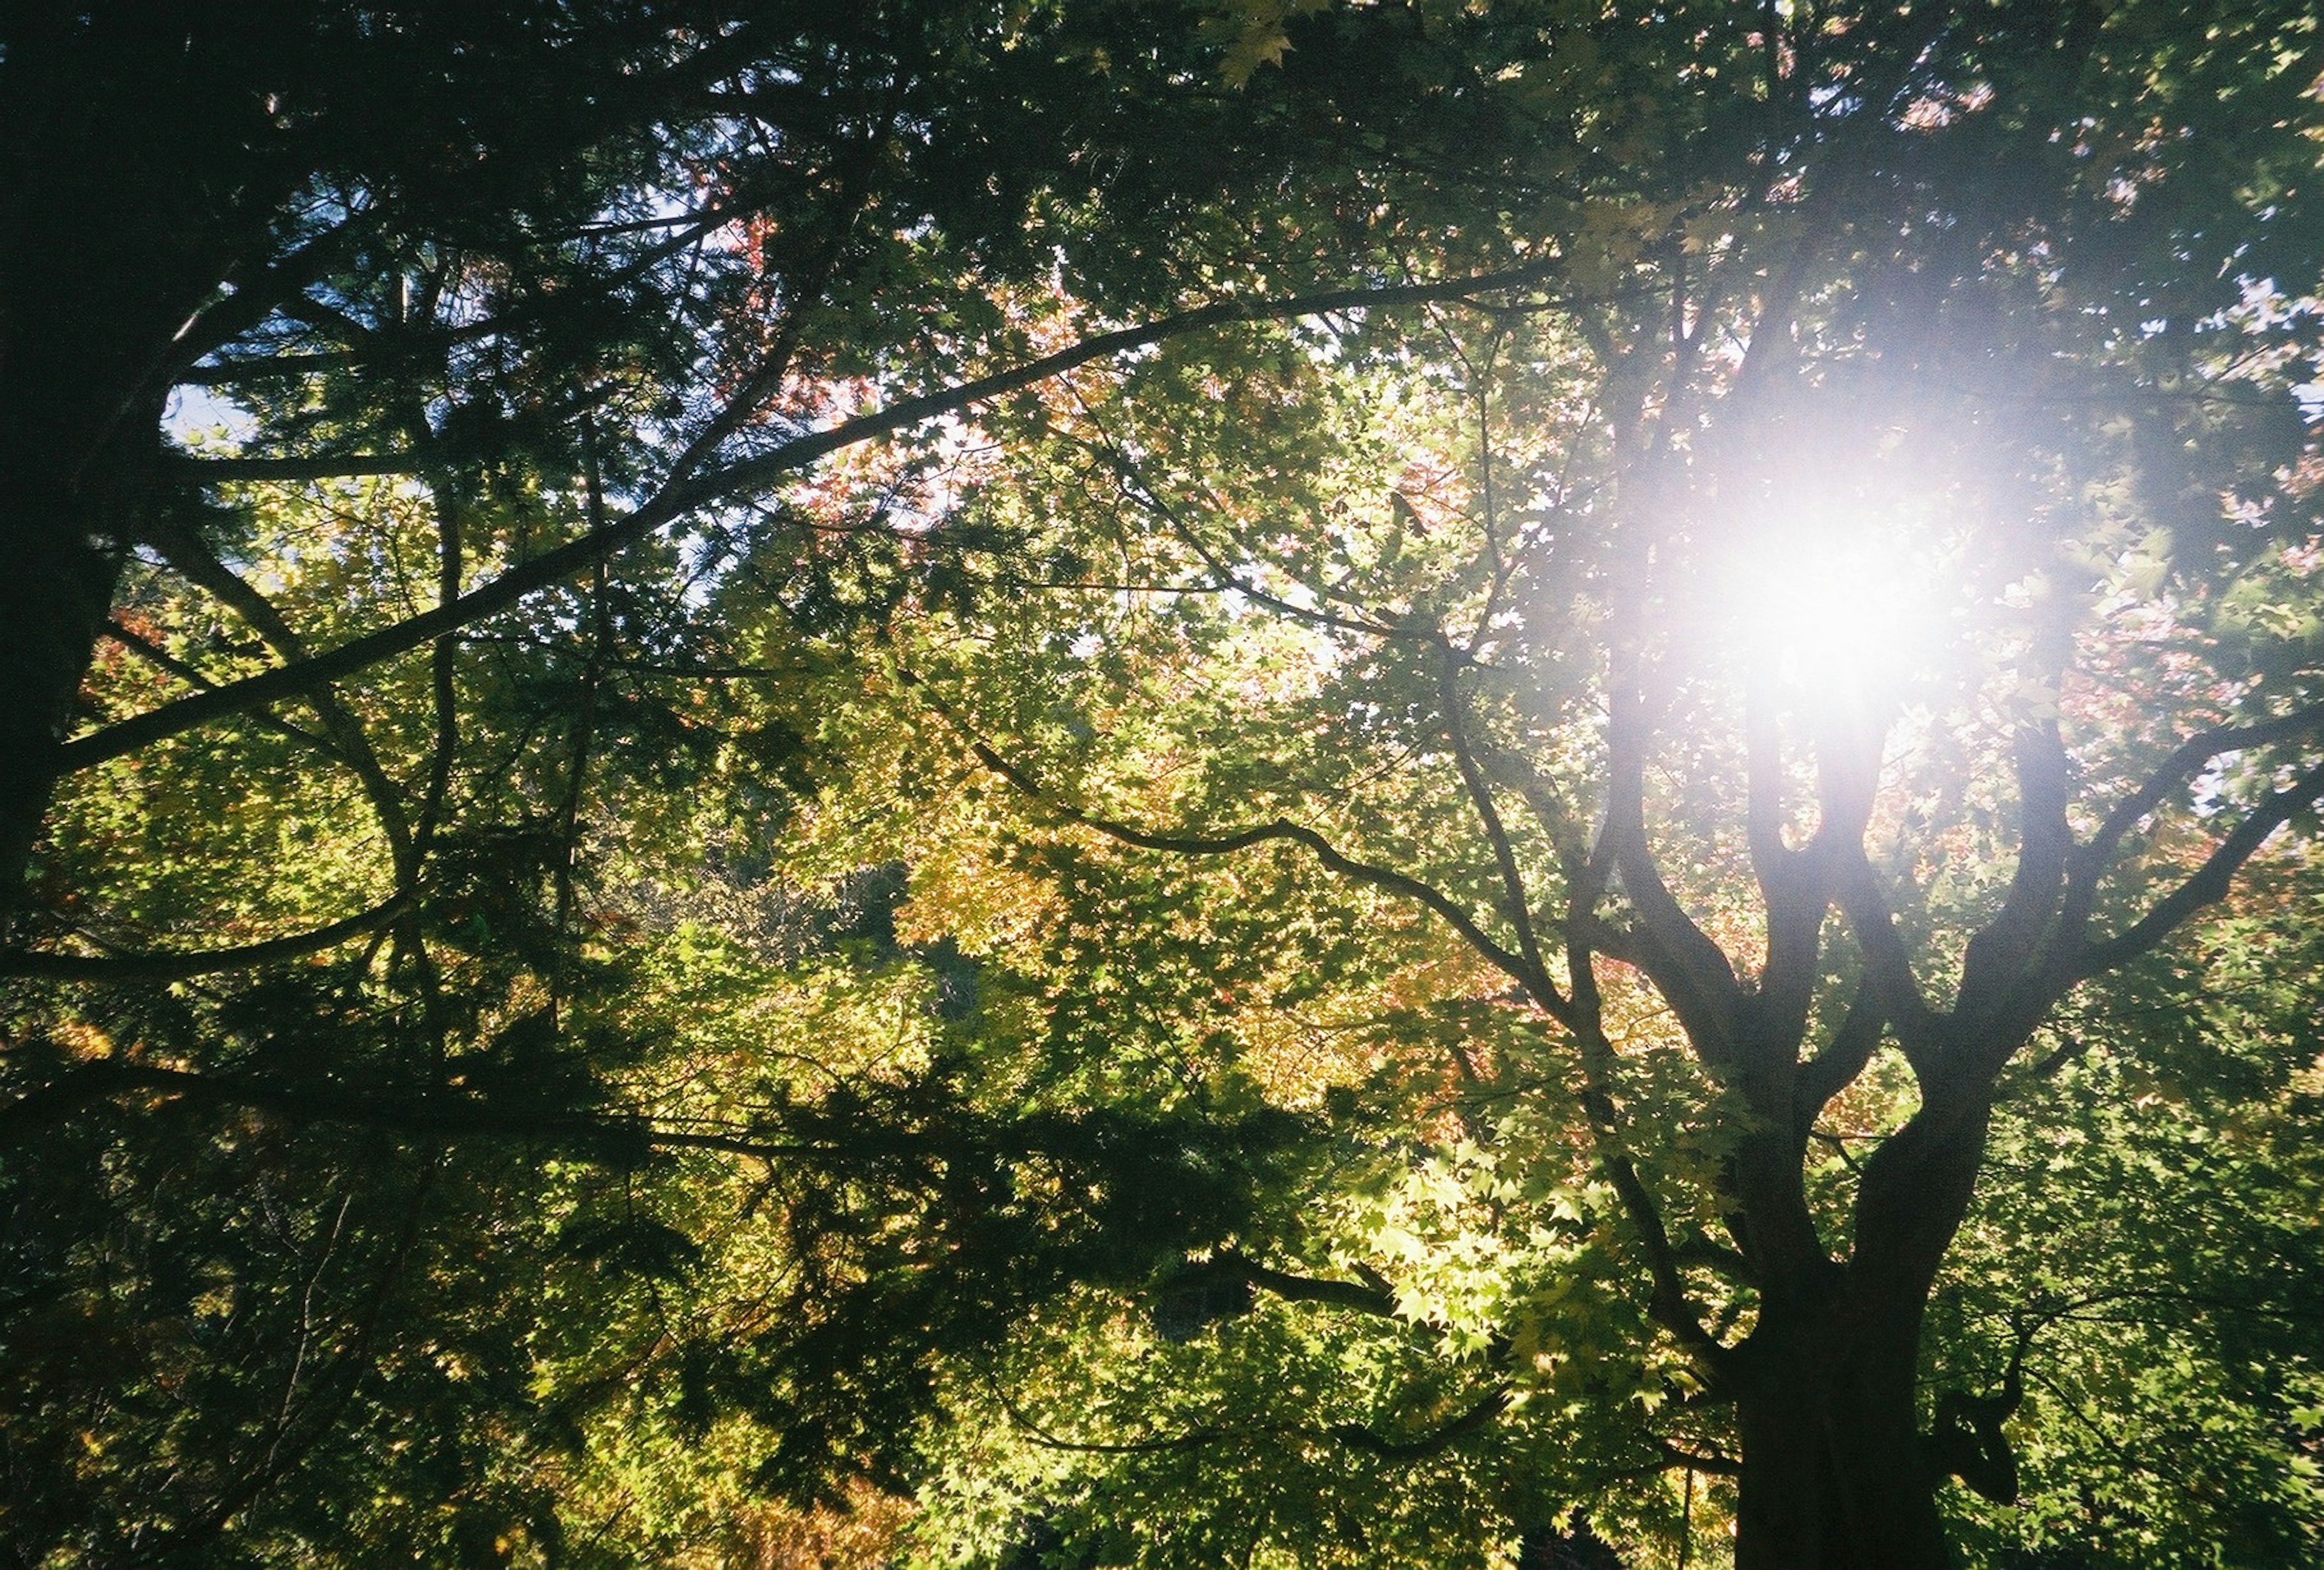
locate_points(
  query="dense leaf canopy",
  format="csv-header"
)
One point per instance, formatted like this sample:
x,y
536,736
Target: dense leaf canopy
x,y
1101,782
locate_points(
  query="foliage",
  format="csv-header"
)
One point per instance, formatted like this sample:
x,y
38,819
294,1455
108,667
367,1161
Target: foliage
x,y
1063,784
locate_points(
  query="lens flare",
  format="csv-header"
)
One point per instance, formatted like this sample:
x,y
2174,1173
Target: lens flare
x,y
1841,600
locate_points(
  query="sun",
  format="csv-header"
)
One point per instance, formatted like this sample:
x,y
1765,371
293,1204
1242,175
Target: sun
x,y
1838,595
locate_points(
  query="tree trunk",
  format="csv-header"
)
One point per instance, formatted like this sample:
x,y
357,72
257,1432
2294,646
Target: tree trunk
x,y
79,448
1836,1473
136,170
54,593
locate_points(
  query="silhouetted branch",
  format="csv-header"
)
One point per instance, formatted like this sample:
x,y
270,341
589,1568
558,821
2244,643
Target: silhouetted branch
x,y
1710,1465
193,559
152,967
684,491
1690,969
1192,1439
1359,1296
224,373
1887,963
1835,1068
1514,896
221,471
2088,863
1277,830
2210,882
430,1112
1434,1443
2002,950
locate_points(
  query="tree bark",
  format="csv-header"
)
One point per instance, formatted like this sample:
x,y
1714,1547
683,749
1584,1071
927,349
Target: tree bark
x,y
79,439
1837,1475
132,174
54,593
1835,1471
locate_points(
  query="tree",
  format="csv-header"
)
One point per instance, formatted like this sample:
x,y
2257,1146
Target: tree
x,y
565,428
1937,312
378,740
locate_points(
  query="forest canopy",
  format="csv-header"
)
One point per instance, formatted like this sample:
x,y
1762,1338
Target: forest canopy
x,y
1269,782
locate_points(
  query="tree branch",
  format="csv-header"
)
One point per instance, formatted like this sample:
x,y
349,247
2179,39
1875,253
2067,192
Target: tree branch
x,y
1193,1439
681,494
1764,780
2207,885
1794,891
155,966
1835,1068
221,471
1710,1465
1434,1443
195,560
1279,829
2088,863
430,1112
1514,896
226,373
1669,1303
2000,952
1359,1296
1584,933
162,660
1887,965
1686,966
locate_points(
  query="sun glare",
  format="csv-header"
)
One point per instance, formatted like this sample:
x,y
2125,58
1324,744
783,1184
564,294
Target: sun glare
x,y
1842,600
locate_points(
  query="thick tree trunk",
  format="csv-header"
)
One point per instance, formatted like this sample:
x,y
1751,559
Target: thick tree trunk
x,y
1836,1473
134,169
79,446
55,588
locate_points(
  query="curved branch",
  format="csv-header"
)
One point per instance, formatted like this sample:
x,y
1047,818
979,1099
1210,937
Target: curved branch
x,y
433,1114
1763,764
1519,905
1355,1436
1386,879
170,967
196,562
1710,1465
1356,1295
1999,952
1887,964
1226,580
1686,965
162,660
1436,1441
1586,937
2207,885
1731,1263
1843,1058
1193,1439
424,1112
2088,863
1133,484
687,490
226,373
1669,1303
350,465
